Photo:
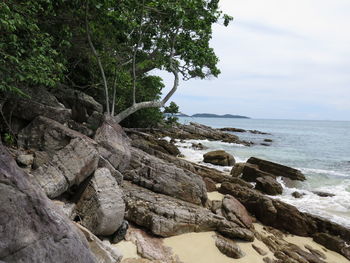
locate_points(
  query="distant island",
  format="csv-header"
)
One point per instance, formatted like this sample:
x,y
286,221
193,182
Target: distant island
x,y
210,115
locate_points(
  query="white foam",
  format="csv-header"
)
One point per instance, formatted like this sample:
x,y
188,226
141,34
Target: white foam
x,y
323,172
336,208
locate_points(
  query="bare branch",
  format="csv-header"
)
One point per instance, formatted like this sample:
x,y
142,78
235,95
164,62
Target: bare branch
x,y
97,56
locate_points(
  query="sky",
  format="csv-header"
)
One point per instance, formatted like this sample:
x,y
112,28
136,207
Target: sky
x,y
279,59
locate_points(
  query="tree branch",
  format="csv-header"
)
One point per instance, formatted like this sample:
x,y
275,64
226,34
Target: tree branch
x,y
97,57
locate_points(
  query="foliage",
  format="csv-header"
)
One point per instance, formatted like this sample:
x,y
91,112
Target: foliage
x,y
45,42
26,53
170,111
9,139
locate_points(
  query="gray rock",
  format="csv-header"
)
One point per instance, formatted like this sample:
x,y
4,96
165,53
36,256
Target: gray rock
x,y
166,216
277,169
113,144
297,194
251,172
119,235
28,110
157,175
114,172
32,229
268,185
237,169
234,211
103,252
323,194
228,247
69,166
333,243
47,135
101,206
219,158
25,160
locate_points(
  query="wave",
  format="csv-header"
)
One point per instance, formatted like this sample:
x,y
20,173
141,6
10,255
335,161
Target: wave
x,y
323,172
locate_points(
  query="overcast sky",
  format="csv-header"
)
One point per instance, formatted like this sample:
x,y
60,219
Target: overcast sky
x,y
280,59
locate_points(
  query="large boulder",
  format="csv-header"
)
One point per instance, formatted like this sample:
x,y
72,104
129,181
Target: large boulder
x,y
270,211
113,144
228,247
234,211
166,216
157,175
47,135
277,169
101,206
219,158
268,185
69,166
32,229
251,172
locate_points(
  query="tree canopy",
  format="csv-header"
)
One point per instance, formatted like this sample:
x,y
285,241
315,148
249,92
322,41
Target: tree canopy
x,y
108,48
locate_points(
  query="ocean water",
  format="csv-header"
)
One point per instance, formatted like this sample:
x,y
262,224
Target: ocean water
x,y
320,149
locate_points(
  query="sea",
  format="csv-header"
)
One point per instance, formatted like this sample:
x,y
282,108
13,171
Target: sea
x,y
319,149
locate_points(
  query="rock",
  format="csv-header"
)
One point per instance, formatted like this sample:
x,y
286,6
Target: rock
x,y
47,135
265,144
228,247
66,207
69,166
268,185
151,247
237,169
333,243
210,184
101,206
269,211
198,146
157,175
219,158
268,140
234,211
103,252
40,158
28,109
25,160
297,194
232,130
315,252
251,172
103,163
119,235
166,216
259,250
113,144
32,228
323,194
168,147
241,182
72,98
277,169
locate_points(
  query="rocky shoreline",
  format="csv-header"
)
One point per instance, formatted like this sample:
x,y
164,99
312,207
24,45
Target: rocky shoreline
x,y
83,189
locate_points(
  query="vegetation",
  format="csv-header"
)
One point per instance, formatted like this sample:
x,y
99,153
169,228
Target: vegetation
x,y
171,110
108,49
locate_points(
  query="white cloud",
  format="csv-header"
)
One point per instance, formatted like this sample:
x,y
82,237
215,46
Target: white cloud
x,y
279,59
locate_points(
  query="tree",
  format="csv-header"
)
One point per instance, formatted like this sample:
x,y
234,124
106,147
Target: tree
x,y
171,35
171,110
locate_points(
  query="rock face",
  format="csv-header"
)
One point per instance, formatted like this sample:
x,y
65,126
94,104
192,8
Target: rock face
x,y
166,216
113,144
277,169
32,229
237,169
157,175
47,135
210,184
69,166
101,206
219,158
268,185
